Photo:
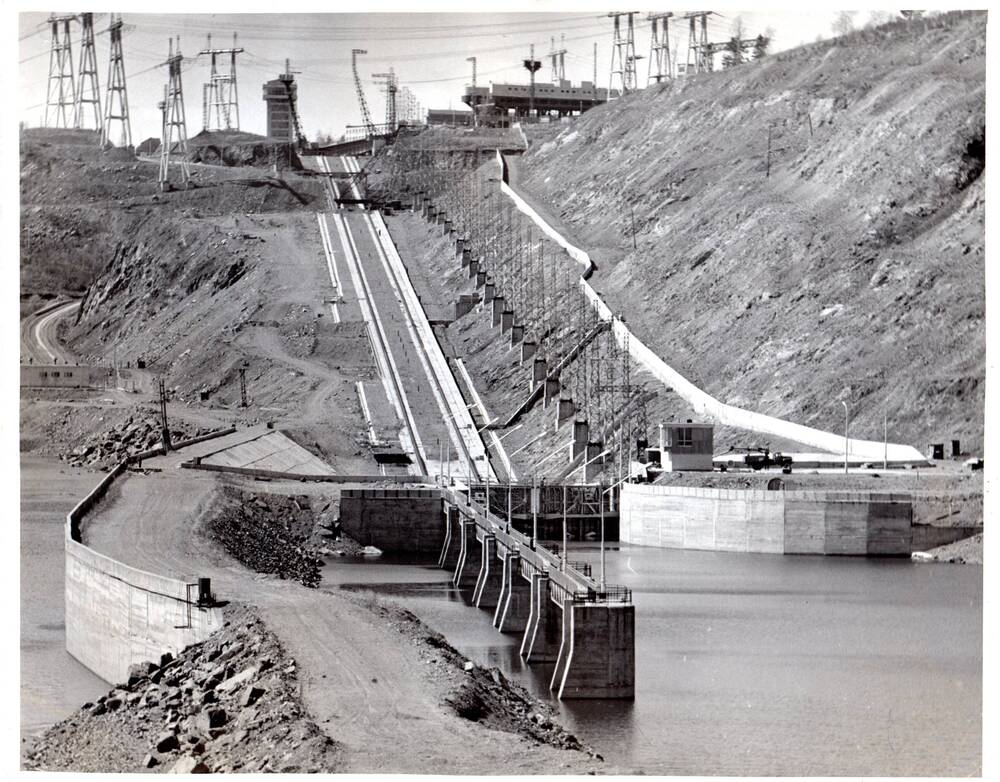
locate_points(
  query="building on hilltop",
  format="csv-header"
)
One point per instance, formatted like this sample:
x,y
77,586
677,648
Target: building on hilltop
x,y
498,102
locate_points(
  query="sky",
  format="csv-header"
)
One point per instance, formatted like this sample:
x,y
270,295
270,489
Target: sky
x,y
427,51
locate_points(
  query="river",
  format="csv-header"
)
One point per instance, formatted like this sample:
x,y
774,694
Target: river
x,y
756,664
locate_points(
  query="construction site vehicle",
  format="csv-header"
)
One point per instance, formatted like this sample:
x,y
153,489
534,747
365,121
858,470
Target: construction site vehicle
x,y
758,459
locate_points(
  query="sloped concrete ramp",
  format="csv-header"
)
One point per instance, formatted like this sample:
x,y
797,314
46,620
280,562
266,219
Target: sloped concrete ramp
x,y
268,450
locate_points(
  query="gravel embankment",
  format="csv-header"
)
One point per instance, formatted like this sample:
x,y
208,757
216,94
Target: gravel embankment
x,y
968,551
478,694
228,704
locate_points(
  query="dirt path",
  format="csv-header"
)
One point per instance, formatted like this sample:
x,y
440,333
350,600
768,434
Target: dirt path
x,y
361,681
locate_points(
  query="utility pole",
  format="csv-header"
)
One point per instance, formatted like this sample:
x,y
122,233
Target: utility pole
x,y
243,384
174,119
88,90
222,104
533,66
164,428
116,101
475,99
659,48
61,92
623,53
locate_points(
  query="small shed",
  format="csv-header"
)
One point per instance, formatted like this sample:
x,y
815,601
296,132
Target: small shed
x,y
683,446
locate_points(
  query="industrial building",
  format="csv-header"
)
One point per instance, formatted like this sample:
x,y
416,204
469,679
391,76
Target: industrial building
x,y
279,94
459,118
683,446
497,103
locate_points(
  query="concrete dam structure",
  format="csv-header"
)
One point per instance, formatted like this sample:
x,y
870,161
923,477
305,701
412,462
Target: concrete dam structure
x,y
118,615
562,614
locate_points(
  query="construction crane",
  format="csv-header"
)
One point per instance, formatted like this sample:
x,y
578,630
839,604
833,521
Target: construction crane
x,y
366,116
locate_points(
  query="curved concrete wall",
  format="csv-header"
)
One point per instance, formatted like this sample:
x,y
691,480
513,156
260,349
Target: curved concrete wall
x,y
117,615
771,522
702,402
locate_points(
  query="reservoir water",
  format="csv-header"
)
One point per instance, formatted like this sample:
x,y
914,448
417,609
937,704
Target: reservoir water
x,y
755,663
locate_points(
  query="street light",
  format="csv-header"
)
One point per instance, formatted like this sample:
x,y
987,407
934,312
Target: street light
x,y
846,441
600,498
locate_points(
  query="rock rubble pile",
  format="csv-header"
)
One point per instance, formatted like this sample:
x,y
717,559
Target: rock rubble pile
x,y
139,432
228,704
269,533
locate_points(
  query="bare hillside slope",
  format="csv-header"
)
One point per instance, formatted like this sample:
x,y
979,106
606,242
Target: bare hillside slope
x,y
852,269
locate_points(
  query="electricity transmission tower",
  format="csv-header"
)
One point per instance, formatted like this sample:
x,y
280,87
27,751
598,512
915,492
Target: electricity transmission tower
x,y
558,57
116,101
220,103
88,90
533,67
698,56
366,117
390,98
174,119
623,53
61,92
660,66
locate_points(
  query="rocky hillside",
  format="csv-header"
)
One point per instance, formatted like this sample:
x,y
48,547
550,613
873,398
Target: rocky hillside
x,y
77,202
846,264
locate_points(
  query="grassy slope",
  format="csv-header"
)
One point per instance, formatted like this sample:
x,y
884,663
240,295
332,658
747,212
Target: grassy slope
x,y
855,271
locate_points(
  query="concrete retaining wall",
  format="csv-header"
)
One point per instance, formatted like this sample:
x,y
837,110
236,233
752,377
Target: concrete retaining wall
x,y
774,522
117,615
395,520
699,400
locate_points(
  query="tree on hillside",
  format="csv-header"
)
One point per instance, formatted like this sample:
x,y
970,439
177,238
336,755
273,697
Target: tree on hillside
x,y
761,45
844,23
734,46
877,18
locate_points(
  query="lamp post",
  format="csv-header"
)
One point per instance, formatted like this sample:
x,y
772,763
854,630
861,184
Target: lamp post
x,y
565,533
846,441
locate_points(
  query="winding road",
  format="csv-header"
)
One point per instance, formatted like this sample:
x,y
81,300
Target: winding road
x,y
38,334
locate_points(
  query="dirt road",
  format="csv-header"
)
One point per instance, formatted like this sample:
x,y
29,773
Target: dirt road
x,y
38,334
363,682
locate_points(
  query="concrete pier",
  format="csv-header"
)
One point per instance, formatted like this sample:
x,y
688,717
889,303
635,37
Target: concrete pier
x,y
514,607
593,469
498,305
480,278
551,391
516,333
466,256
452,548
539,369
488,290
527,350
459,247
467,567
490,581
597,652
564,409
506,321
473,268
581,436
542,636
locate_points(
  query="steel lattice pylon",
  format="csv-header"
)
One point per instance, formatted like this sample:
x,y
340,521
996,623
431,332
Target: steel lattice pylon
x,y
623,53
174,120
88,90
660,66
61,92
220,107
116,101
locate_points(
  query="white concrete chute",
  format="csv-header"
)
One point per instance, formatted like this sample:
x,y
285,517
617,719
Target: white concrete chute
x,y
701,401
